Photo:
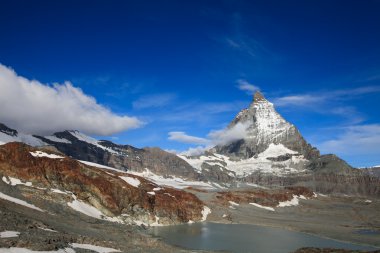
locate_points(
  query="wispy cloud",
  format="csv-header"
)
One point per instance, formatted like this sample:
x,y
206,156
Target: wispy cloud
x,y
311,99
329,102
215,137
200,111
154,101
355,140
38,108
244,85
185,138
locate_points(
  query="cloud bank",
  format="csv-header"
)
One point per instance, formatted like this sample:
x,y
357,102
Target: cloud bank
x,y
33,107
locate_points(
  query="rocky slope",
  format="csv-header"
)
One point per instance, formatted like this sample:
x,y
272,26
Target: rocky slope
x,y
112,195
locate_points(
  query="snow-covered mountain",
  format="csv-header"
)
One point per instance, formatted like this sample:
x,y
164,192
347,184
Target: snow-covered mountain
x,y
10,135
264,127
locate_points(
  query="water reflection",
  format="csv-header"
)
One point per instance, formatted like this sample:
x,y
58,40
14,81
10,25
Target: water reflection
x,y
243,238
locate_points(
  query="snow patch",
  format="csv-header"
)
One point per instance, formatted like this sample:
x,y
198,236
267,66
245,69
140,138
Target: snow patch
x,y
98,249
131,180
43,154
82,137
57,139
263,207
20,137
174,182
48,229
233,203
99,166
25,250
260,162
205,212
15,181
151,193
293,202
9,234
85,208
19,202
59,191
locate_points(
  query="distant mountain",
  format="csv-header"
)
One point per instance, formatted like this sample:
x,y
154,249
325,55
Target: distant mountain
x,y
373,171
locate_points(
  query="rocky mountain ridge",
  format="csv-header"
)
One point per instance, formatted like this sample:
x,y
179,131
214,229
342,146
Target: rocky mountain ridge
x,y
273,153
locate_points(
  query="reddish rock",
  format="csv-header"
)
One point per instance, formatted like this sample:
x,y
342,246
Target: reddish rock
x,y
102,188
263,197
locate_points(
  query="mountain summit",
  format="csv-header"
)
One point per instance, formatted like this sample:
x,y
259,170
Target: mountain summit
x,y
265,126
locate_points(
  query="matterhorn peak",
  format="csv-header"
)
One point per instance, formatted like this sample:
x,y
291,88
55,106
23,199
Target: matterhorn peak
x,y
259,97
265,126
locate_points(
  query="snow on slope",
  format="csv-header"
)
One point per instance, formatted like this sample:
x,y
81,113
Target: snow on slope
x,y
174,182
98,249
28,139
131,181
263,207
19,202
56,139
82,137
9,234
270,125
25,250
259,163
43,154
15,181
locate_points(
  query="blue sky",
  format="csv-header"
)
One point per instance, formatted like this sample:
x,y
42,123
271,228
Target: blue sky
x,y
156,67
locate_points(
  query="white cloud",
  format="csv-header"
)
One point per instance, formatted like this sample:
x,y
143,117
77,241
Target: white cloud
x,y
199,150
183,137
319,98
215,137
298,100
228,135
355,140
246,86
154,100
33,107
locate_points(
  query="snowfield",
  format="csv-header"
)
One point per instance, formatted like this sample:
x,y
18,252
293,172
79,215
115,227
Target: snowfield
x,y
131,180
9,234
98,249
19,202
263,207
43,154
15,181
260,163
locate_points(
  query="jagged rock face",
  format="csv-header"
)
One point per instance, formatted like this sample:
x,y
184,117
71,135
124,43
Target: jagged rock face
x,y
106,190
124,157
6,130
264,126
